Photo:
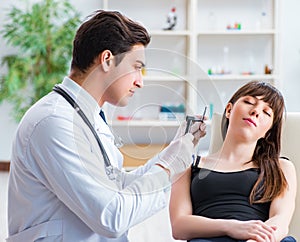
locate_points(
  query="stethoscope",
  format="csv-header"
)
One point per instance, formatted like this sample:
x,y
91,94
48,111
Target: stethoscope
x,y
108,167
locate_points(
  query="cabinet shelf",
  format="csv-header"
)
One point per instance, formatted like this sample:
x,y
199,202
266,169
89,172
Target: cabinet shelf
x,y
241,77
165,78
178,60
238,32
170,32
148,123
143,123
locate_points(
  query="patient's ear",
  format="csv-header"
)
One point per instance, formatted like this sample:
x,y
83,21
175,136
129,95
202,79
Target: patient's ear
x,y
228,109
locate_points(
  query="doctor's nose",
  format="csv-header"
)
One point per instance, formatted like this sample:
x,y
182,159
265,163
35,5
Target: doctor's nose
x,y
139,81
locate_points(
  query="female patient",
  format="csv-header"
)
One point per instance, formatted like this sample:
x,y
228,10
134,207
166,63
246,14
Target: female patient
x,y
244,192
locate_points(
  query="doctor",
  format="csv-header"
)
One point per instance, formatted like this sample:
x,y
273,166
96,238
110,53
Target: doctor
x,y
66,182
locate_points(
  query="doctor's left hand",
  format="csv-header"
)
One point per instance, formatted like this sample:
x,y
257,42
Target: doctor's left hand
x,y
198,130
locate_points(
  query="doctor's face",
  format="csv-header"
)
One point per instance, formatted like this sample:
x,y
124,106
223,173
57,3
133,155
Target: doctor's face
x,y
126,77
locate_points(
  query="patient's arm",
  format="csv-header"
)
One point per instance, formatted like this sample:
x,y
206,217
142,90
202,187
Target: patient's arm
x,y
282,207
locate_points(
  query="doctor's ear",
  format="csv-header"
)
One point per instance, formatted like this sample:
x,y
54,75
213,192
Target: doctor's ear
x,y
106,60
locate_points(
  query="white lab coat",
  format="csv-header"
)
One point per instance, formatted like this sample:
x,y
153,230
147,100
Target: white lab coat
x,y
58,189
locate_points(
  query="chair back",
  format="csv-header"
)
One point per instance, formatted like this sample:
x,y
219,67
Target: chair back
x,y
290,148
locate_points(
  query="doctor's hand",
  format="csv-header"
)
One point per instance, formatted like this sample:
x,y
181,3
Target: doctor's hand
x,y
177,156
197,129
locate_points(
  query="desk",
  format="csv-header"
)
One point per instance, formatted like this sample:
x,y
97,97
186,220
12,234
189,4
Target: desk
x,y
138,154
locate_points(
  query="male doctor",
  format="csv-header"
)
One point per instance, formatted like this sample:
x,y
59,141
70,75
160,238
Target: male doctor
x,y
66,182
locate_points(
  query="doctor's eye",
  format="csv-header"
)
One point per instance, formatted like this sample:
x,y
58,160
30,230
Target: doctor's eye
x,y
139,67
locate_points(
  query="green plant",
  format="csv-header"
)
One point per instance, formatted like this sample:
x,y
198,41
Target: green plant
x,y
42,35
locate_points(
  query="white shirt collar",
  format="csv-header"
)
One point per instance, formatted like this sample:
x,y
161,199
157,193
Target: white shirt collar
x,y
81,96
87,103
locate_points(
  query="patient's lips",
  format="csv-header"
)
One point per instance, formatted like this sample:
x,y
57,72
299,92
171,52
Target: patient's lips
x,y
250,121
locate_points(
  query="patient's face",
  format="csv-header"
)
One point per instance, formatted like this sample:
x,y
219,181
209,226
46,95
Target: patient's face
x,y
250,117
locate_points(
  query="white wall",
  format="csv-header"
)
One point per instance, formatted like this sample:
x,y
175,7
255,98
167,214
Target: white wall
x,y
7,123
290,61
290,48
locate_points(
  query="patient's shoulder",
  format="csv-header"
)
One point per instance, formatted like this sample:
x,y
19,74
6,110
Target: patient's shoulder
x,y
287,165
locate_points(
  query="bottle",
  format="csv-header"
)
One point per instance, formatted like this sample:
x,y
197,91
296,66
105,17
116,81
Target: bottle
x,y
212,21
176,70
251,64
225,60
263,15
263,20
211,110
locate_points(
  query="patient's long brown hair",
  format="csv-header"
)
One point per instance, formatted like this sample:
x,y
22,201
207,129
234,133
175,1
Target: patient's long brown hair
x,y
271,181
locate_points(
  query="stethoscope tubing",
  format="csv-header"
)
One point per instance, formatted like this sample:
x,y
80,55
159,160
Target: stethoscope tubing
x,y
108,167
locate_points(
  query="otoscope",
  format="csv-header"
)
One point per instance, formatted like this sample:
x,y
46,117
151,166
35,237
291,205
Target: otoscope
x,y
192,119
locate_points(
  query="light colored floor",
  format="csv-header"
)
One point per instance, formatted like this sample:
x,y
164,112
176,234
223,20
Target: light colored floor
x,y
155,229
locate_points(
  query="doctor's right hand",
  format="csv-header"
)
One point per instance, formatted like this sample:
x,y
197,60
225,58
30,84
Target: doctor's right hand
x,y
197,129
177,156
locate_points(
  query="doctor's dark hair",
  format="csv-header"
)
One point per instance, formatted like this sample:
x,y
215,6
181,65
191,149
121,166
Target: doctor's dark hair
x,y
271,182
106,30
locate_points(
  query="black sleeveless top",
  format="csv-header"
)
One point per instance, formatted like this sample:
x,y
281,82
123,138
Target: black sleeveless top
x,y
225,195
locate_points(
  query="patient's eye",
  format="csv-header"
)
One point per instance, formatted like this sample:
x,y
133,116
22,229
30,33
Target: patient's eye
x,y
249,100
268,113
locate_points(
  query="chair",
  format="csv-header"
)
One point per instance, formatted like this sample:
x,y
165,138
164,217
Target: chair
x,y
290,148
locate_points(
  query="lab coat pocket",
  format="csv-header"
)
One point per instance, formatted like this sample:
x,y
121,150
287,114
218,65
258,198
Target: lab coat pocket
x,y
47,231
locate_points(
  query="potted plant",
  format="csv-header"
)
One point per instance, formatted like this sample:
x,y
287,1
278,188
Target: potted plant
x,y
42,35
